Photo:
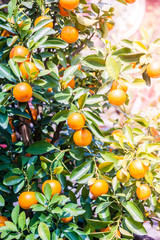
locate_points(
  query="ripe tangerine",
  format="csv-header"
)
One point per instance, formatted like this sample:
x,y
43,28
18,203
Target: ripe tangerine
x,y
70,84
130,1
76,121
69,34
49,90
27,199
41,18
123,176
13,137
153,69
22,92
118,85
55,185
3,220
69,4
99,187
66,220
62,11
137,169
82,137
117,97
143,192
108,229
33,70
19,51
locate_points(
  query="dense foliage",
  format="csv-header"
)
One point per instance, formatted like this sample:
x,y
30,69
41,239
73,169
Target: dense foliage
x,y
39,142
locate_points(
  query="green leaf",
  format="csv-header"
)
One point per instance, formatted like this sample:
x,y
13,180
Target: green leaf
x,y
69,71
40,97
61,116
30,172
85,178
134,211
15,68
11,226
6,72
54,43
40,198
135,227
77,153
128,134
96,131
131,58
106,166
82,100
2,202
149,177
95,8
44,232
93,117
140,46
39,148
12,180
94,62
15,214
48,191
80,171
98,224
39,64
113,68
102,206
63,97
22,220
43,32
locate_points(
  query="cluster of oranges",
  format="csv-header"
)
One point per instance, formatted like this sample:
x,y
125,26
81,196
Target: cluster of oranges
x,y
28,199
82,137
137,169
117,95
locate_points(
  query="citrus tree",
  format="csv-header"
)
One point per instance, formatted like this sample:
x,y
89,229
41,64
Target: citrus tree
x,y
62,177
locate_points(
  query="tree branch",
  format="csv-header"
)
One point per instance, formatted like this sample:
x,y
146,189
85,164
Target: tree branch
x,y
57,132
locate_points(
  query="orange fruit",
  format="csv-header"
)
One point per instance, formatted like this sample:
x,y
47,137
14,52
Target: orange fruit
x,y
153,69
55,185
22,92
99,187
19,51
154,132
69,34
137,169
62,11
143,192
122,177
108,229
130,1
33,70
48,140
27,155
41,18
117,97
13,137
27,199
34,113
2,221
10,122
49,90
109,25
118,85
5,33
76,121
82,137
69,4
66,220
69,84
